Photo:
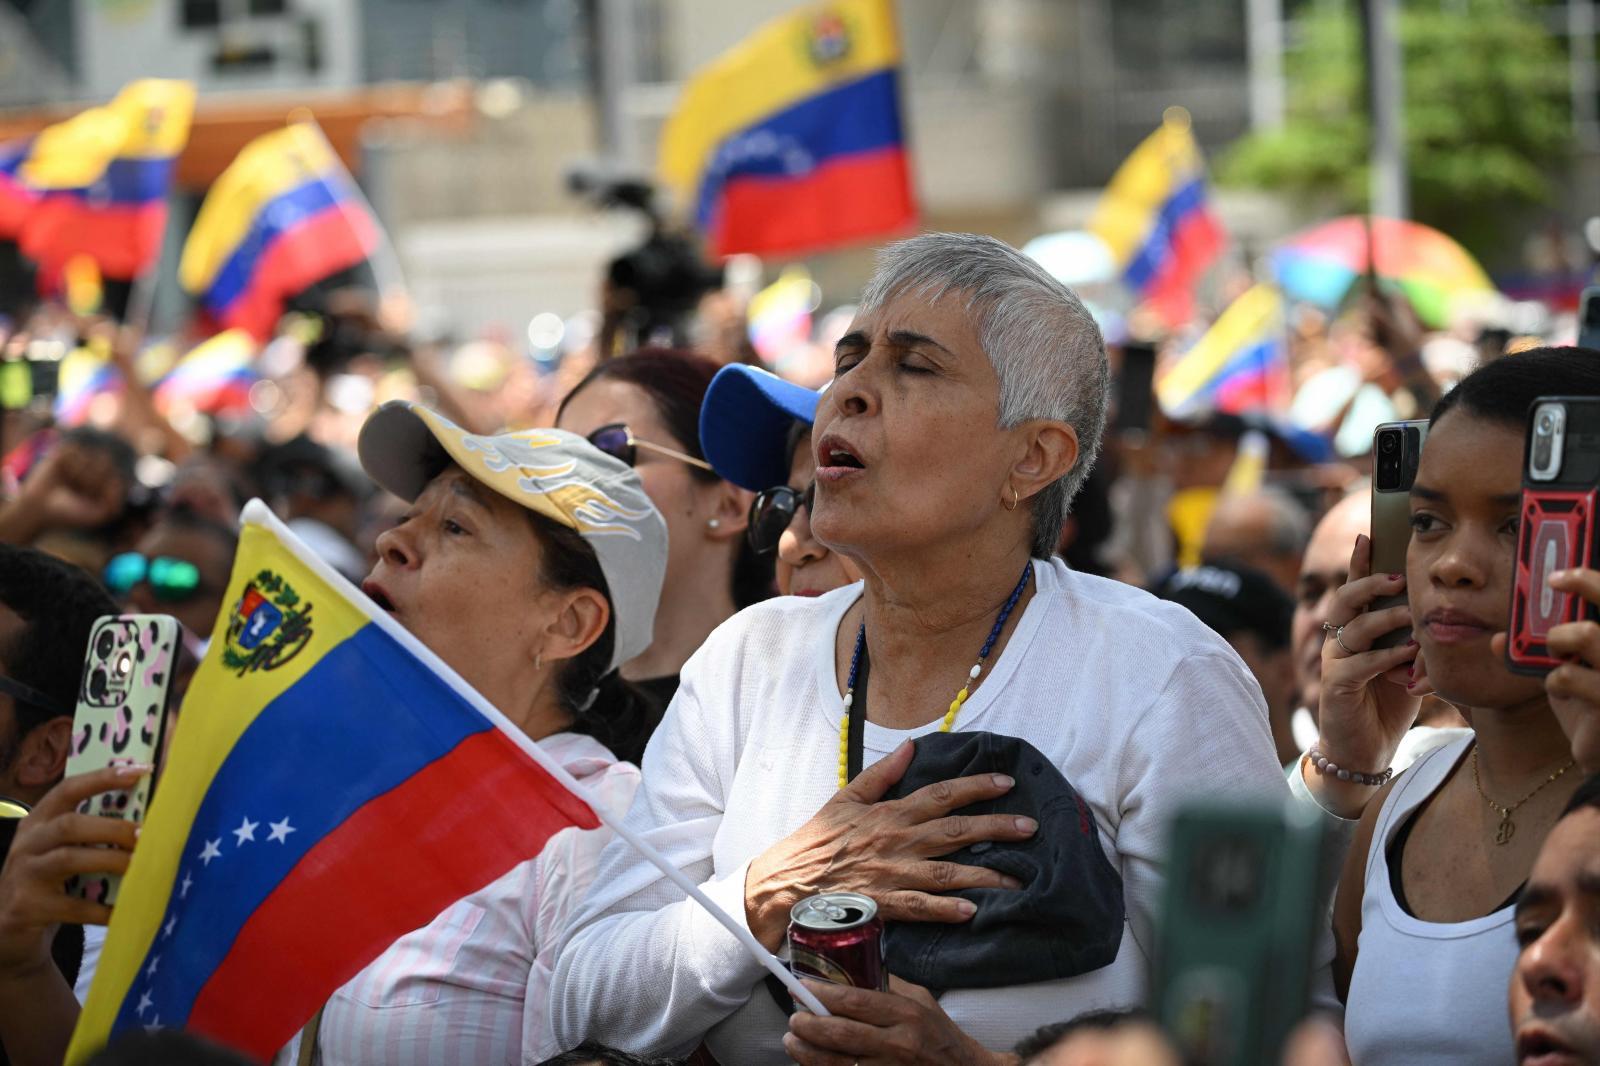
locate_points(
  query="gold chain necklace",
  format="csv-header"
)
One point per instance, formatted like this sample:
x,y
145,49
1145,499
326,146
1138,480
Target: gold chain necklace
x,y
1507,828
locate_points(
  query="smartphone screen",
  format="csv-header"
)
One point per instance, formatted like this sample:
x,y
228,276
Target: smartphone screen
x,y
1237,930
121,717
1135,392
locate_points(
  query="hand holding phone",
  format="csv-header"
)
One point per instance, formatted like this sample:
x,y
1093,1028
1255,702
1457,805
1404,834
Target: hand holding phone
x,y
121,719
50,840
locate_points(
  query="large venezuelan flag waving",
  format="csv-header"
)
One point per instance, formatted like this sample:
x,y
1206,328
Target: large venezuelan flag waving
x,y
282,217
97,183
1155,218
332,785
1240,364
792,142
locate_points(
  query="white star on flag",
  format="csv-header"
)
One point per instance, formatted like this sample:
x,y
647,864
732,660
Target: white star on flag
x,y
154,962
172,923
280,831
211,851
246,831
183,892
145,1003
154,1024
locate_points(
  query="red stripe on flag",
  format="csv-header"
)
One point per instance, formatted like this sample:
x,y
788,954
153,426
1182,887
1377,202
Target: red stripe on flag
x,y
323,244
123,239
843,200
487,807
1197,239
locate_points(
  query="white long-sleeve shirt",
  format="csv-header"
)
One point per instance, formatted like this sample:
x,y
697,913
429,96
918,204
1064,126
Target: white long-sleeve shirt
x,y
1138,704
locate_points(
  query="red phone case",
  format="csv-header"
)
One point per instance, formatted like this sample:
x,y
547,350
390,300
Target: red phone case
x,y
1557,533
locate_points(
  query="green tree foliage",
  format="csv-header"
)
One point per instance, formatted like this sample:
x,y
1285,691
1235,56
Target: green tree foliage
x,y
1486,115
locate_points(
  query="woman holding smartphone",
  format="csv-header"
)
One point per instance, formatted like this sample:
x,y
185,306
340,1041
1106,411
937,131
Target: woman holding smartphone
x,y
1424,907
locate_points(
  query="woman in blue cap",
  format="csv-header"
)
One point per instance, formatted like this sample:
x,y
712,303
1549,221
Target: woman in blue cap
x,y
755,430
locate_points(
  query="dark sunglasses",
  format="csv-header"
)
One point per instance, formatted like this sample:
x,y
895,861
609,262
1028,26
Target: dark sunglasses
x,y
771,512
172,580
32,697
618,441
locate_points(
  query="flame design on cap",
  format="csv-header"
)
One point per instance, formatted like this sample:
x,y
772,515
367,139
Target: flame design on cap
x,y
581,505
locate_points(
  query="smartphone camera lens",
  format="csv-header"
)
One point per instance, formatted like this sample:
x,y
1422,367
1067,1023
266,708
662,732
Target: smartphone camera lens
x,y
98,685
104,643
1389,461
124,665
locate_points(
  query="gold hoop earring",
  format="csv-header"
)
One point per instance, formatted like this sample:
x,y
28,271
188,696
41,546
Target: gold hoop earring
x,y
1016,498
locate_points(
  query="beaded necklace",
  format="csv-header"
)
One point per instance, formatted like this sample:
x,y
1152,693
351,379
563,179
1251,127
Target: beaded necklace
x,y
955,704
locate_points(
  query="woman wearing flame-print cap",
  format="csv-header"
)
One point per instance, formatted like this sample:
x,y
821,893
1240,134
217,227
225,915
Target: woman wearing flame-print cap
x,y
531,563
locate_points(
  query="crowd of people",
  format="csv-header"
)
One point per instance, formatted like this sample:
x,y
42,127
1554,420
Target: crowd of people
x,y
945,633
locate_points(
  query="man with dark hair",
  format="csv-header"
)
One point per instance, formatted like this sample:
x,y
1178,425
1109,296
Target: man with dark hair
x,y
1555,988
47,608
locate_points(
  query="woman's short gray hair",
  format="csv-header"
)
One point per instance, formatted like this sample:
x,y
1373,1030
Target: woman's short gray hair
x,y
1044,344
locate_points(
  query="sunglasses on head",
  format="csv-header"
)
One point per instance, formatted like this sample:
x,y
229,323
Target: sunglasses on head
x,y
32,697
618,441
172,580
771,512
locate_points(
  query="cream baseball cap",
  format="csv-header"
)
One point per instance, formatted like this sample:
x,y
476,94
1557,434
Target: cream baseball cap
x,y
550,472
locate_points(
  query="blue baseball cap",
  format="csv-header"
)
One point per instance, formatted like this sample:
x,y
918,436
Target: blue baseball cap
x,y
744,424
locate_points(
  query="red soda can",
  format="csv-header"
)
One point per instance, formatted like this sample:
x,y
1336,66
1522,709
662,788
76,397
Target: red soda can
x,y
838,937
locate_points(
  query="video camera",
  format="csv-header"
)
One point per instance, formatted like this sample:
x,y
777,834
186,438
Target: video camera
x,y
662,280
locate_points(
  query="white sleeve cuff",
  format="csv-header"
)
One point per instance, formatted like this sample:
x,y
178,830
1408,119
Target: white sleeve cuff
x,y
1303,795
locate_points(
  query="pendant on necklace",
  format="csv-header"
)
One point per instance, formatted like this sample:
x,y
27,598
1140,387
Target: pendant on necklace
x,y
1506,830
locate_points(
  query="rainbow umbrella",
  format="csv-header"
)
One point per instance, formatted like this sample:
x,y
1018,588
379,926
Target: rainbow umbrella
x,y
1320,264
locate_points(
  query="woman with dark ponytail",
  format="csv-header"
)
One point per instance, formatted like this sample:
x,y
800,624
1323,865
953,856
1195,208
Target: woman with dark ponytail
x,y
644,409
531,563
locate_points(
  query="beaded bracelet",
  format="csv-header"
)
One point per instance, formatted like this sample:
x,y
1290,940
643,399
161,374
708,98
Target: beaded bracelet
x,y
1327,767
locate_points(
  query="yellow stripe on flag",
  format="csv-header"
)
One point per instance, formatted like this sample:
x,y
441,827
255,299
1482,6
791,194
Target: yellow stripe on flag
x,y
1163,163
1255,316
772,69
148,119
159,112
265,169
221,704
75,153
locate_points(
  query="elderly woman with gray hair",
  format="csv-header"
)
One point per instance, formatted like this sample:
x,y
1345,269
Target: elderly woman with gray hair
x,y
966,408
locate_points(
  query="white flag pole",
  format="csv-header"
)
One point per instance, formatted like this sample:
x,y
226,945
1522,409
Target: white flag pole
x,y
257,513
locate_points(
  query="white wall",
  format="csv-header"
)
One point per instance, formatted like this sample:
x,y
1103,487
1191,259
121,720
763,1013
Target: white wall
x,y
145,38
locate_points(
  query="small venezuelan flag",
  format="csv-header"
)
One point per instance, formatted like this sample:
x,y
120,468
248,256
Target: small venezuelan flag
x,y
1240,364
1155,218
282,217
215,377
98,182
331,786
792,142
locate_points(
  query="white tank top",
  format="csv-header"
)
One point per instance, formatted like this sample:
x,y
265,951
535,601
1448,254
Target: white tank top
x,y
1426,992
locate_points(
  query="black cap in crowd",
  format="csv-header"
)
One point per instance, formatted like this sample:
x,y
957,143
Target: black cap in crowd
x,y
1231,598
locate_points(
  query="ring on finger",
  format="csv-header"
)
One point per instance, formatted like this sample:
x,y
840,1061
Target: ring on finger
x,y
1338,636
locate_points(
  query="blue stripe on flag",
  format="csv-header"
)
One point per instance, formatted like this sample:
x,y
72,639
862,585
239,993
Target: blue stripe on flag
x,y
275,218
858,116
366,718
1157,247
